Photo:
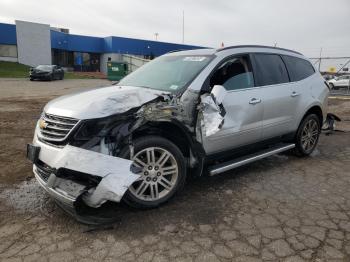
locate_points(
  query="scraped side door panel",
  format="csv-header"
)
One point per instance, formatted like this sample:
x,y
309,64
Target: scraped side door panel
x,y
242,122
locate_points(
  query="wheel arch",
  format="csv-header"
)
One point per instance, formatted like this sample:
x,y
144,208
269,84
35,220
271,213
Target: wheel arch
x,y
314,109
173,131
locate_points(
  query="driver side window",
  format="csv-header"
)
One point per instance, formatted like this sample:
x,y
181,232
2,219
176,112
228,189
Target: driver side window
x,y
235,73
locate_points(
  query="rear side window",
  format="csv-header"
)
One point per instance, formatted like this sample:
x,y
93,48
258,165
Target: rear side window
x,y
298,68
270,69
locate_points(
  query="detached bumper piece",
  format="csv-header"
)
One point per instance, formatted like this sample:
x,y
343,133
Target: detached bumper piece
x,y
72,174
329,125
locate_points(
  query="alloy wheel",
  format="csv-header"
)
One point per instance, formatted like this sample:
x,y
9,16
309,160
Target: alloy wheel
x,y
158,176
309,135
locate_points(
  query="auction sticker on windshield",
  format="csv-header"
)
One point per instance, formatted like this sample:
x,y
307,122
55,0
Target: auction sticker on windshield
x,y
194,58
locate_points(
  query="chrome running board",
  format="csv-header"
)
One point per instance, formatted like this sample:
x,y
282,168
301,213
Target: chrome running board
x,y
223,167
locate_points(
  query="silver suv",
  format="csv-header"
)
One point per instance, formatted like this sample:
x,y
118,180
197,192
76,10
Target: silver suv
x,y
183,114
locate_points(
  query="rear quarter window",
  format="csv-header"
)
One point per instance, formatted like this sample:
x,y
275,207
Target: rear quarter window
x,y
270,69
298,68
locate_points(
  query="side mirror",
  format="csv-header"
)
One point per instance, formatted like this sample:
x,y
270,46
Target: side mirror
x,y
218,93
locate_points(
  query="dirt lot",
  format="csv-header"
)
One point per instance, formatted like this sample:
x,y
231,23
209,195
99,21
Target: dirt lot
x,y
21,103
282,208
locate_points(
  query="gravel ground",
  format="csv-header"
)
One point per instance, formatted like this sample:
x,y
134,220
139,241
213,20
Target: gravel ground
x,y
282,208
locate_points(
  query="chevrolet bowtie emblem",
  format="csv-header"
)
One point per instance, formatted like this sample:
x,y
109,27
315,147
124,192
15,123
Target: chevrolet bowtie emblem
x,y
42,124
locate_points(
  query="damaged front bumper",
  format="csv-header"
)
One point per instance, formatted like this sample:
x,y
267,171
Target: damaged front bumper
x,y
56,189
100,177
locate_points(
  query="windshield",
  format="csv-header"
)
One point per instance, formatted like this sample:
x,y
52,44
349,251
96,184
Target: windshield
x,y
167,73
44,67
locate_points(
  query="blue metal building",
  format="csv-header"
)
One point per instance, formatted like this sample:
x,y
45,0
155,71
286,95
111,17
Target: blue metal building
x,y
33,44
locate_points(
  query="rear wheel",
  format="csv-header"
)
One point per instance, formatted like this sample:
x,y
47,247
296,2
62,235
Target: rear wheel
x,y
163,172
307,135
336,87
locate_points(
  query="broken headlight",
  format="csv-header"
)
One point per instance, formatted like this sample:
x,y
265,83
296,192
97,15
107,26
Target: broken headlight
x,y
92,128
102,127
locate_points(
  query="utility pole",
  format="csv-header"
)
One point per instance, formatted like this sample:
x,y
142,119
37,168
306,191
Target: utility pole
x,y
183,26
156,35
319,64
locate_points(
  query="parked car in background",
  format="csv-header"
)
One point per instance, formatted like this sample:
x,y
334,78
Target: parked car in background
x,y
342,81
329,77
46,72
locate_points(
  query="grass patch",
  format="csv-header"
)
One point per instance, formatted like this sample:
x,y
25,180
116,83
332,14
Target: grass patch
x,y
72,75
13,69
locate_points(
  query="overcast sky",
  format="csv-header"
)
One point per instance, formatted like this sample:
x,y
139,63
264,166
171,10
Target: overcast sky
x,y
303,25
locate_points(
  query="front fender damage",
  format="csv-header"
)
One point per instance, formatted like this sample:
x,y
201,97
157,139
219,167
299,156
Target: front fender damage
x,y
201,116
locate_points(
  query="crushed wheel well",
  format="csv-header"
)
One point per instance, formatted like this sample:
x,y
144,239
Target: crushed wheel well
x,y
169,131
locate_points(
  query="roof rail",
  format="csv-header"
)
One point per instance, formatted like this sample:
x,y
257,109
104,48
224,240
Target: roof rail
x,y
264,46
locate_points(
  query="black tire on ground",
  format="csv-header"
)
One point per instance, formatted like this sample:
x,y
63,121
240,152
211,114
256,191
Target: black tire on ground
x,y
61,77
31,79
336,87
162,143
307,135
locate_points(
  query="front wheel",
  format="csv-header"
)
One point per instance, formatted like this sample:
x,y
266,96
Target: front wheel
x,y
307,135
163,172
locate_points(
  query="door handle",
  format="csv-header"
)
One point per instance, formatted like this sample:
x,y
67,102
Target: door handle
x,y
254,101
294,94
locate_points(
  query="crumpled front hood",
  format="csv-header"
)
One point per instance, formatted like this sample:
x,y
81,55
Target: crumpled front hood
x,y
100,102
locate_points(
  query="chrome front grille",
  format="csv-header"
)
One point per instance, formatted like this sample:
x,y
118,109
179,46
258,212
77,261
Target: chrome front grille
x,y
54,128
43,172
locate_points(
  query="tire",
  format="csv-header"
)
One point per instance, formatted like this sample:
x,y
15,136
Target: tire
x,y
307,135
31,79
141,194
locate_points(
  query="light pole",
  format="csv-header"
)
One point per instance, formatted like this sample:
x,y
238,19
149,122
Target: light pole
x,y
319,65
183,26
156,35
